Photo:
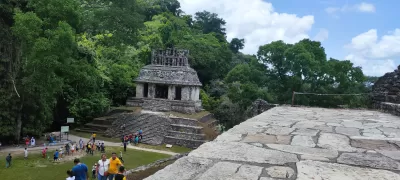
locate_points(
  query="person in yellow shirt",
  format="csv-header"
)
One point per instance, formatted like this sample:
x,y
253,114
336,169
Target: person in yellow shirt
x,y
115,163
94,137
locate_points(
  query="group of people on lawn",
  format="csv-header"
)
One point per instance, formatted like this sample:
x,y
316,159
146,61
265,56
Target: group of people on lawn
x,y
104,169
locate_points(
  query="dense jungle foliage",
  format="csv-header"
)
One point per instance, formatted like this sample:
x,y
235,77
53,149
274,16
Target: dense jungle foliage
x,y
61,58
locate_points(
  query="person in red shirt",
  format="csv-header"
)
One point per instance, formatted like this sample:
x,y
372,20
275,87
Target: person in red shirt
x,y
27,140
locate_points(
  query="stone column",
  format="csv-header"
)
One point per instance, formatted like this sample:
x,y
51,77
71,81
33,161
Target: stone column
x,y
193,93
152,90
139,90
171,92
185,93
197,94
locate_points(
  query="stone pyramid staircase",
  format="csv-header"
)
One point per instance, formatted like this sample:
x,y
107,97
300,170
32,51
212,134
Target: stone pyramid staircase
x,y
185,132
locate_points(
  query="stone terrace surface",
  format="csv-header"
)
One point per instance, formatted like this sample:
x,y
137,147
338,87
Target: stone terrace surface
x,y
298,143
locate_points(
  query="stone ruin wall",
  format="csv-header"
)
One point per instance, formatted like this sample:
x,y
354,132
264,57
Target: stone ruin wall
x,y
386,93
257,107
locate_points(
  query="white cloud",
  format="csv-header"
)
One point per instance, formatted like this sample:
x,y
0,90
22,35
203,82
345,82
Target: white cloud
x,y
362,7
322,35
373,54
365,7
256,21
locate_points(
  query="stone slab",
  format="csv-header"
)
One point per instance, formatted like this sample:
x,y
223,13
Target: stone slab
x,y
369,159
277,130
267,178
229,137
307,124
334,124
347,131
336,142
313,157
186,168
234,171
352,124
391,132
306,132
373,144
392,154
283,139
328,129
316,170
328,153
260,138
280,172
305,141
233,151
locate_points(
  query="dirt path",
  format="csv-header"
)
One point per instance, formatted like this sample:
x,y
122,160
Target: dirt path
x,y
20,150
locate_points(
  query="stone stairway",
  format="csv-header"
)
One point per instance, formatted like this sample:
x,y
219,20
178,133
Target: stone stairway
x,y
185,132
154,127
157,128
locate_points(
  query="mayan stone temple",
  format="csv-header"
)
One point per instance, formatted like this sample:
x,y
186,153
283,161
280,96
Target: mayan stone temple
x,y
168,83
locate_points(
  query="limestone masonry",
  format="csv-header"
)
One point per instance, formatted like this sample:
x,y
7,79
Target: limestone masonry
x,y
298,143
386,92
168,84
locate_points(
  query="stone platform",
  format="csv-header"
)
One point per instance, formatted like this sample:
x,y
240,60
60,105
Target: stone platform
x,y
298,143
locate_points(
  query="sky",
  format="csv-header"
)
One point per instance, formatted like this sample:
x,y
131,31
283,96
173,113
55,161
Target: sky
x,y
364,32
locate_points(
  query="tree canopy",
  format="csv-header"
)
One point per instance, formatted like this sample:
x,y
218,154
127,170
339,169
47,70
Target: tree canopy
x,y
62,58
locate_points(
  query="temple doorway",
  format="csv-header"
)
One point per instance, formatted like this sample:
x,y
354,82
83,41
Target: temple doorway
x,y
162,91
178,93
145,89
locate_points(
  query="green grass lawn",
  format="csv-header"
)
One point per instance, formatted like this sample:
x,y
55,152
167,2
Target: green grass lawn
x,y
37,168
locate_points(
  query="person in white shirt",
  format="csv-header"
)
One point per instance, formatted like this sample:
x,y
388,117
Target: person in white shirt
x,y
102,167
61,151
70,175
33,141
72,149
26,153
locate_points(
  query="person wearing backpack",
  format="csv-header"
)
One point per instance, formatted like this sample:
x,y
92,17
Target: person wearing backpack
x,y
120,175
8,160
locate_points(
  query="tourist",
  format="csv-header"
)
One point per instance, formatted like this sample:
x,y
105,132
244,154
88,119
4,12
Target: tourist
x,y
94,137
27,140
87,148
61,152
33,141
136,140
44,152
125,146
26,153
94,170
103,148
81,144
80,170
56,155
70,175
120,175
140,133
67,148
72,149
92,149
114,164
8,160
120,157
102,167
130,139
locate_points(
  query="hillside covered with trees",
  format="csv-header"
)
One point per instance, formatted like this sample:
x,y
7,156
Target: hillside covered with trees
x,y
61,58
